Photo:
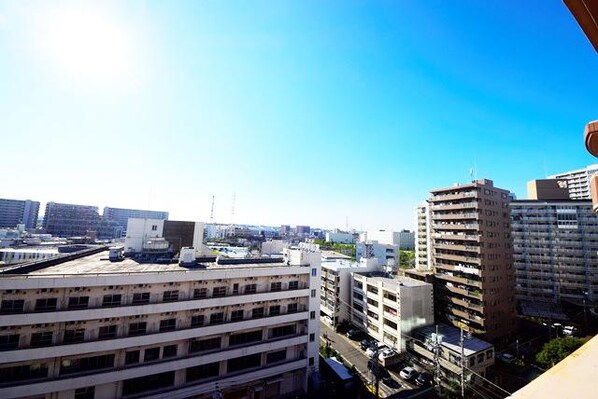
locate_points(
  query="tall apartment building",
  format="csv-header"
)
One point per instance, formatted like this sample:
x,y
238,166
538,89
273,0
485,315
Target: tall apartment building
x,y
121,215
90,328
555,251
67,220
389,308
423,260
472,258
13,212
578,181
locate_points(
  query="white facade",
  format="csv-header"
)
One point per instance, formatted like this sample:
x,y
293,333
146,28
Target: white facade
x,y
140,230
387,255
388,308
335,304
578,181
423,259
273,247
159,330
339,237
404,239
10,256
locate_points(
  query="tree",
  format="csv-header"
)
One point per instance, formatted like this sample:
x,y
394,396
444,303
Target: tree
x,y
558,349
406,259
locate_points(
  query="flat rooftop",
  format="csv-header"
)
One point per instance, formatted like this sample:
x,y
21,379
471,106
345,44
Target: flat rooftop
x,y
389,282
98,263
451,339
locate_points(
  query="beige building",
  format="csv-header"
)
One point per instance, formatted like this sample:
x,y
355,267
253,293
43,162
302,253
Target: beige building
x,y
91,328
471,252
422,238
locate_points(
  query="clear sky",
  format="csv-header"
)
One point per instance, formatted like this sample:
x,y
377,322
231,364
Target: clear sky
x,y
310,112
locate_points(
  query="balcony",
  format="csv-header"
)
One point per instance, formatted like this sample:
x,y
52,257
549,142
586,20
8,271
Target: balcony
x,y
456,226
454,196
461,280
456,236
455,216
462,290
455,206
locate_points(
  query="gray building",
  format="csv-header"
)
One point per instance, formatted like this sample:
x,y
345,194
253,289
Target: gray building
x,y
13,212
578,181
122,215
68,220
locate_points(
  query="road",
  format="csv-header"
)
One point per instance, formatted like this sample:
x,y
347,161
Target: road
x,y
352,354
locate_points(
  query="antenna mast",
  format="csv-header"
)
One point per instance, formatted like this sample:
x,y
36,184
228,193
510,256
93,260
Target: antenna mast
x,y
212,211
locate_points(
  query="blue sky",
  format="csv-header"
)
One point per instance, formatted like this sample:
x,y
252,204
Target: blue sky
x,y
310,112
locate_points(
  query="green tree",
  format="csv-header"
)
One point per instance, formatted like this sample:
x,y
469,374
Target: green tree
x,y
406,259
558,349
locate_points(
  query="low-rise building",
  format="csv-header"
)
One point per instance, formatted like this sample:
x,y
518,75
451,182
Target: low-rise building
x,y
388,308
386,255
87,327
339,237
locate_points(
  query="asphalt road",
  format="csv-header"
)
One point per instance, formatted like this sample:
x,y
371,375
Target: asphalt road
x,y
352,353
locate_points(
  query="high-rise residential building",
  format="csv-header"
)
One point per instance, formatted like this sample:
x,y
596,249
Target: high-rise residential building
x,y
233,328
555,251
388,308
121,215
14,212
422,238
472,258
67,220
578,181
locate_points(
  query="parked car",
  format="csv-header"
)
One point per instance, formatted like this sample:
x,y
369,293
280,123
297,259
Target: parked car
x,y
391,383
506,357
408,373
386,353
423,379
354,334
569,331
371,352
366,343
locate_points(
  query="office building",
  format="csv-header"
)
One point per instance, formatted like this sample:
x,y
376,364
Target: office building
x,y
423,260
472,258
555,251
67,220
236,328
578,181
121,215
389,308
14,212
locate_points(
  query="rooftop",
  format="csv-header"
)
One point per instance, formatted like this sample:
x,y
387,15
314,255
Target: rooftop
x,y
391,282
451,339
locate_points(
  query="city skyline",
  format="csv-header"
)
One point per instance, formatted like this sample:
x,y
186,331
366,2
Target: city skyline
x,y
309,115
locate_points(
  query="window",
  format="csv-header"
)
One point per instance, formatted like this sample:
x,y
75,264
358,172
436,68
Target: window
x,y
111,300
236,315
311,361
217,318
293,285
276,286
167,325
204,371
278,356
390,324
372,302
74,336
79,302
154,227
235,288
200,293
313,293
12,306
148,383
41,339
85,393
137,328
107,332
141,298
45,305
8,342
312,337
21,373
250,289
244,362
199,345
256,313
69,366
292,308
274,310
357,296
151,354
170,296
312,315
282,331
197,321
132,357
358,307
245,338
471,361
169,351
314,272
480,358
219,292
372,289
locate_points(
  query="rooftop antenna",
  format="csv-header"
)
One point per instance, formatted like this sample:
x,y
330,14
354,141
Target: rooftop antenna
x,y
212,211
231,227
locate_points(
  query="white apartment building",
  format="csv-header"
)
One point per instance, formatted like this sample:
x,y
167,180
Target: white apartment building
x,y
335,294
388,308
339,237
387,255
423,259
90,328
578,181
404,239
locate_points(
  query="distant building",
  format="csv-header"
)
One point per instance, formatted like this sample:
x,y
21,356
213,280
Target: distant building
x,y
386,254
339,237
68,220
273,247
9,256
578,181
548,189
285,230
302,230
423,260
389,308
14,212
121,215
404,239
154,237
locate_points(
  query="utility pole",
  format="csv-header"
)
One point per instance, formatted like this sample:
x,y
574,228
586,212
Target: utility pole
x,y
462,365
437,357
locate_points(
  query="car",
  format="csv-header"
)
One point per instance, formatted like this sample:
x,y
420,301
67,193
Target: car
x,y
354,334
423,379
569,330
371,352
408,373
366,343
391,383
386,353
506,357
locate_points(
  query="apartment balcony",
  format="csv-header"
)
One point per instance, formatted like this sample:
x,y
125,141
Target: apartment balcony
x,y
459,258
463,290
457,247
456,226
465,315
466,303
456,237
455,206
455,216
454,197
460,280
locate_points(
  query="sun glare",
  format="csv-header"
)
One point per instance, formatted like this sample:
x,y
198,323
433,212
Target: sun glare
x,y
88,44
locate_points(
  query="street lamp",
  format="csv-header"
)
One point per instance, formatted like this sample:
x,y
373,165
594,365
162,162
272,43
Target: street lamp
x,y
585,314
